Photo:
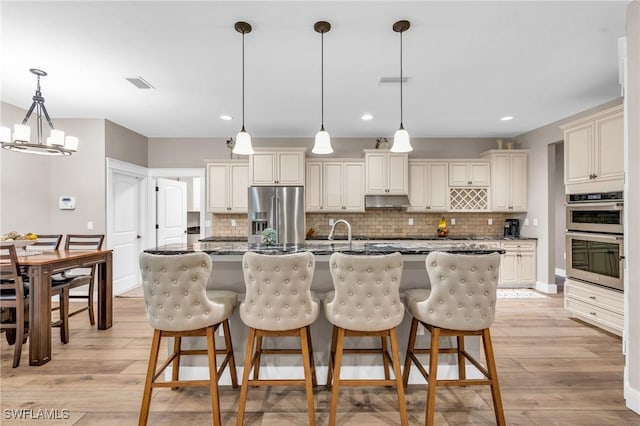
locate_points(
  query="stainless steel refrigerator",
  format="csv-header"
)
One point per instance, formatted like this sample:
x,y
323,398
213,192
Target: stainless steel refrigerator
x,y
280,208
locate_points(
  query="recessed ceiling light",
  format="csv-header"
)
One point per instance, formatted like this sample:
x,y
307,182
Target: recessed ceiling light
x,y
367,117
226,117
506,118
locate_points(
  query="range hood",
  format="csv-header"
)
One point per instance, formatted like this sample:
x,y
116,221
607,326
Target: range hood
x,y
386,201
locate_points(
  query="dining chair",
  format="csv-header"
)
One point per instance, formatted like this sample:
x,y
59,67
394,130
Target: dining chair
x,y
461,302
178,304
14,297
80,277
366,303
278,303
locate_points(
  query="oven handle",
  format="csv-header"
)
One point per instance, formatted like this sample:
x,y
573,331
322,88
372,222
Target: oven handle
x,y
612,206
600,236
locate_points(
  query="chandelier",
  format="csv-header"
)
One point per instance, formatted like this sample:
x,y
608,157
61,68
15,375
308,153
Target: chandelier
x,y
20,141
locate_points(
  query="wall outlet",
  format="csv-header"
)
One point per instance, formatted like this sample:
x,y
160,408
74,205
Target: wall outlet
x,y
535,222
526,221
453,221
331,222
489,221
90,225
410,221
233,222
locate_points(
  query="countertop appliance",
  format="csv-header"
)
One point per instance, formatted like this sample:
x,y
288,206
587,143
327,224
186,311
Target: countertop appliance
x,y
280,208
512,228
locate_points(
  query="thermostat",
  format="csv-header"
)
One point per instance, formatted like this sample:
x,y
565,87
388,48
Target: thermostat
x,y
67,203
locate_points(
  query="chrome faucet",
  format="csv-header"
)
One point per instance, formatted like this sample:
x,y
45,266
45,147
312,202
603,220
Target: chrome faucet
x,y
333,228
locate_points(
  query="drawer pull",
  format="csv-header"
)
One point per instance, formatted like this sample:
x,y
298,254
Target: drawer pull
x,y
592,297
593,313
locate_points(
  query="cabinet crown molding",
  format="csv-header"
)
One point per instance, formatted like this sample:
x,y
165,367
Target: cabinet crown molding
x,y
591,117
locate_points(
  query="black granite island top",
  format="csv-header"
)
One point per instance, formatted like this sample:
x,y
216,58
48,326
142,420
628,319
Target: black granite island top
x,y
402,238
327,248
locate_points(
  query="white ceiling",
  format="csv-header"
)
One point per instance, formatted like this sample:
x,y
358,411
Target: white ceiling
x,y
469,64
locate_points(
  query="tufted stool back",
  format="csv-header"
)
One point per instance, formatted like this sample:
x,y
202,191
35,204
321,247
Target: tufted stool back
x,y
463,291
278,293
175,294
367,296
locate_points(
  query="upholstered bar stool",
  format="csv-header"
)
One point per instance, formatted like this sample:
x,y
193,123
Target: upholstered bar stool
x,y
461,302
178,305
366,302
278,303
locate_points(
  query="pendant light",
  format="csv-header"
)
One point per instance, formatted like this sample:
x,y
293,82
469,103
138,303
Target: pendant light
x,y
322,144
401,140
243,139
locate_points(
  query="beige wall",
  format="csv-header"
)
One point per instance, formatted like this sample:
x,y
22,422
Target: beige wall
x,y
195,151
31,184
632,210
560,211
125,145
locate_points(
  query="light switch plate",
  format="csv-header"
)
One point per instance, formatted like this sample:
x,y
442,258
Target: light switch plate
x,y
331,222
90,226
526,221
453,221
535,222
410,221
233,222
489,221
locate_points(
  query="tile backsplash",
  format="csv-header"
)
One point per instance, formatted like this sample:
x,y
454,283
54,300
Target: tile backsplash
x,y
380,224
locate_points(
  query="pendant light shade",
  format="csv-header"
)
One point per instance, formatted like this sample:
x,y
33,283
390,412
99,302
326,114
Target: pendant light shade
x,y
243,138
401,140
322,144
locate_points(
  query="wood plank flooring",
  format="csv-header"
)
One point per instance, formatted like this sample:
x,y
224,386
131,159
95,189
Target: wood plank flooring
x,y
552,370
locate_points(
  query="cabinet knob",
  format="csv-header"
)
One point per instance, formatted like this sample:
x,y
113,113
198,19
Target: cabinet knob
x,y
470,182
593,313
592,297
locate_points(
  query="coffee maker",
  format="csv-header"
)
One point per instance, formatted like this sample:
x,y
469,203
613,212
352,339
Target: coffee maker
x,y
512,228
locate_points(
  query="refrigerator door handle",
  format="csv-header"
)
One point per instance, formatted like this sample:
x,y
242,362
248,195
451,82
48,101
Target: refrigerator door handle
x,y
277,224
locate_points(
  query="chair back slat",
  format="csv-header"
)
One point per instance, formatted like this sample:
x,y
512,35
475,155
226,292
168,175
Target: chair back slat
x,y
10,280
84,242
48,242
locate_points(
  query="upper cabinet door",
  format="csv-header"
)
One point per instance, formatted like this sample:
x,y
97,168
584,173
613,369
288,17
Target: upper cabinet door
x,y
313,187
238,194
217,187
609,148
469,173
518,178
398,173
578,154
281,166
376,171
332,186
262,168
437,185
386,172
353,186
479,173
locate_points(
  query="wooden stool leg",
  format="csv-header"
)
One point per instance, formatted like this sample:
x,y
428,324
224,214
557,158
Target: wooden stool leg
x,y
256,368
245,376
213,377
175,369
332,355
19,336
92,317
404,421
232,360
462,369
308,381
493,372
314,379
151,371
336,376
410,346
385,360
433,376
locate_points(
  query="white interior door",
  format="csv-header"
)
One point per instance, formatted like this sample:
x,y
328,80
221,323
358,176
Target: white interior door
x,y
171,209
125,234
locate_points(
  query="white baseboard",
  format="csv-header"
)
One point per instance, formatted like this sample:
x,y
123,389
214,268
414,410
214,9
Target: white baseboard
x,y
546,288
561,272
631,396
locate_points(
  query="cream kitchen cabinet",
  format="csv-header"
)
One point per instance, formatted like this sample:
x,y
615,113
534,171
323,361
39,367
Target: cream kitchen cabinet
x,y
386,172
594,152
335,186
227,183
428,185
509,191
596,305
469,173
280,166
518,263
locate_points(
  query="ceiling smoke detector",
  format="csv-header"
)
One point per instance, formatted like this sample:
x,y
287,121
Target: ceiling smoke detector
x,y
140,82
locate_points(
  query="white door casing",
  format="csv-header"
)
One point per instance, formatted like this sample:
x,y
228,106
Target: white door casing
x,y
171,210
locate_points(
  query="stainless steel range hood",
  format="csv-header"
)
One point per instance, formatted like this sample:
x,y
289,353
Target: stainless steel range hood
x,y
386,201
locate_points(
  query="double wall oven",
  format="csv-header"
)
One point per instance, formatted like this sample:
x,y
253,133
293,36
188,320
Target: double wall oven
x,y
595,241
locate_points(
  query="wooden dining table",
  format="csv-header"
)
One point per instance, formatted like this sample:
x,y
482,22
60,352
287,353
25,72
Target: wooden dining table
x,y
40,267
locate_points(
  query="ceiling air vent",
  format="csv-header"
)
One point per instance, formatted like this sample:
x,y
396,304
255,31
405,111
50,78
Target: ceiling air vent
x,y
140,82
392,80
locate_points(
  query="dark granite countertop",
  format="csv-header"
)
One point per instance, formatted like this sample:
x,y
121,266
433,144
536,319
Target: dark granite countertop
x,y
327,248
366,238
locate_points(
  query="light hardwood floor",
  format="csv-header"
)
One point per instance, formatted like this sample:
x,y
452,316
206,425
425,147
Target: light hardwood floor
x,y
552,370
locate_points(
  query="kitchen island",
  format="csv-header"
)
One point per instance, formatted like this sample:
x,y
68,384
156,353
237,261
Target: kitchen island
x,y
227,275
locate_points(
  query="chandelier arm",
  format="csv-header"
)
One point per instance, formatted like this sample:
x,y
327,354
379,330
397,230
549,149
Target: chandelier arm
x,y
46,115
26,117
